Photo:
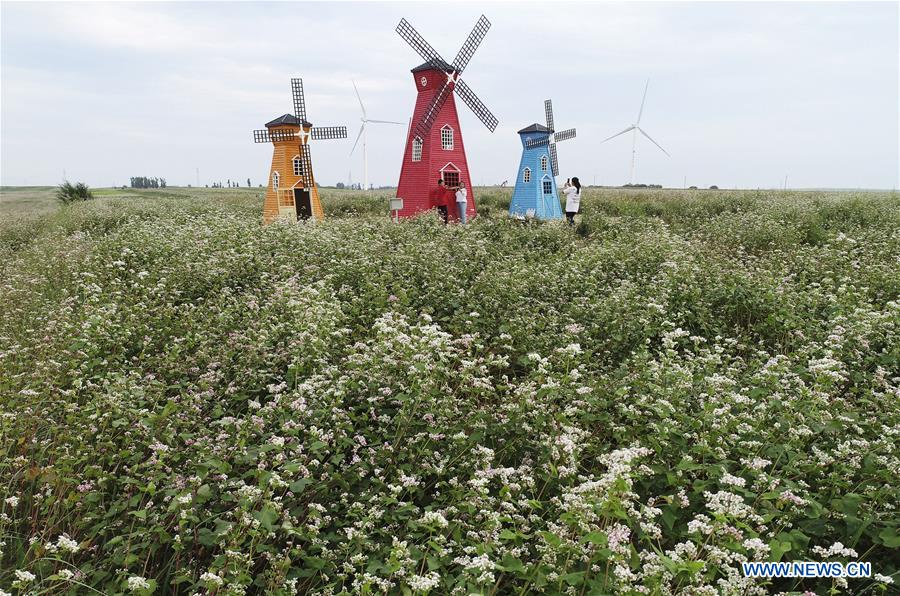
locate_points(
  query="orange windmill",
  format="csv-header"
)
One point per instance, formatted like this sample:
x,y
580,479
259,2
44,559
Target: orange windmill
x,y
291,193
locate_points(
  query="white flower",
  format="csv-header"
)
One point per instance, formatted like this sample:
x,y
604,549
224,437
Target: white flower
x,y
66,573
137,583
757,463
791,498
835,550
759,548
212,578
435,518
24,576
159,447
885,579
65,543
424,583
12,501
408,481
733,480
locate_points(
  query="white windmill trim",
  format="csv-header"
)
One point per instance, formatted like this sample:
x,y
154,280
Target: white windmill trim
x,y
450,163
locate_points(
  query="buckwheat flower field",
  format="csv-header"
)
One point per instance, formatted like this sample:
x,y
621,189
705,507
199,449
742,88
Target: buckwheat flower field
x,y
192,403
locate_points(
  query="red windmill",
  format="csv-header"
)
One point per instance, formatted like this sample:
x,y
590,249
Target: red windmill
x,y
434,146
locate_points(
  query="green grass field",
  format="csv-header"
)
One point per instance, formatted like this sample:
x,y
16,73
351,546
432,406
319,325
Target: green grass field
x,y
191,402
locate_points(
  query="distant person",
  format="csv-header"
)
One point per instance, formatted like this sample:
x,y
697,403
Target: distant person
x,y
572,190
440,199
461,202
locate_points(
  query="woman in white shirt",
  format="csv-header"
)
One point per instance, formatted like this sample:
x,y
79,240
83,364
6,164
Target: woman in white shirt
x,y
572,190
461,202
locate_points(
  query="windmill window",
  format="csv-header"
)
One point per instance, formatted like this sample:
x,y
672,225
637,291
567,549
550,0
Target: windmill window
x,y
275,178
298,166
548,187
417,149
526,175
447,138
451,179
544,161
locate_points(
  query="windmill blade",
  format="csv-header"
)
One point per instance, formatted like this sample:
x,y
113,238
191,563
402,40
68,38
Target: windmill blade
x,y
531,143
548,112
299,99
564,135
640,130
630,128
321,133
417,42
361,129
306,158
362,107
641,111
478,108
474,40
386,122
424,125
268,136
554,162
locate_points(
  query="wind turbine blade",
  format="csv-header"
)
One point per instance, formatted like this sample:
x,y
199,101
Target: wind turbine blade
x,y
359,98
630,128
641,111
387,122
641,130
361,129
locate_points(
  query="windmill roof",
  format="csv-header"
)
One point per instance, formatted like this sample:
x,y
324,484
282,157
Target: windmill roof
x,y
433,65
287,120
534,128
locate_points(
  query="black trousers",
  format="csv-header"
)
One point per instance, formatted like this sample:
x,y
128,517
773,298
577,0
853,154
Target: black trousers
x,y
570,217
442,211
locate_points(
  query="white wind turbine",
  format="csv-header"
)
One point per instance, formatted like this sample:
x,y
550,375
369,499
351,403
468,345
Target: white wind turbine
x,y
362,133
635,128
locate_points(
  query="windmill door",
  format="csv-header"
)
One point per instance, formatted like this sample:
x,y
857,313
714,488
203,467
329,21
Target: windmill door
x,y
303,203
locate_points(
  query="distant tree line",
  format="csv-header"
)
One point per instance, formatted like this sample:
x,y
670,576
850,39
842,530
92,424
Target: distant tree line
x,y
145,182
357,186
228,184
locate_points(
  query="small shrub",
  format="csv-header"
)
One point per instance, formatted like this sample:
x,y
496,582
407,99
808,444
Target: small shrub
x,y
584,229
73,193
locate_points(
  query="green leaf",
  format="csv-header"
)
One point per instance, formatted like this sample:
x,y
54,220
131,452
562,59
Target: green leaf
x,y
511,563
551,538
778,548
890,538
203,493
574,578
596,538
315,562
266,516
298,486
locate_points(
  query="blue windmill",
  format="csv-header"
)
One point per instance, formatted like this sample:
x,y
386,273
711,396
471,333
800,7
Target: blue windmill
x,y
535,194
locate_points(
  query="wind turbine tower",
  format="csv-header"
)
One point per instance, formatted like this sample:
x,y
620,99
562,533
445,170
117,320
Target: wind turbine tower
x,y
362,133
634,129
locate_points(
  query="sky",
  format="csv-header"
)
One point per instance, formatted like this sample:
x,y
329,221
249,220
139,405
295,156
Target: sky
x,y
741,95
